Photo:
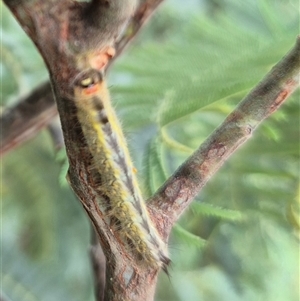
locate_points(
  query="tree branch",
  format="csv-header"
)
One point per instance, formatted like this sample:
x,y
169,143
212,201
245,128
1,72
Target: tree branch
x,y
40,115
142,15
126,277
24,120
180,189
53,32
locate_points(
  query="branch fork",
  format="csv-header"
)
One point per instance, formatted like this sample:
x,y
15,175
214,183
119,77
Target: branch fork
x,y
44,21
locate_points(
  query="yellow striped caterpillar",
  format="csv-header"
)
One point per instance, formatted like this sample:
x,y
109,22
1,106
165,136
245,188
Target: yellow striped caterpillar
x,y
119,194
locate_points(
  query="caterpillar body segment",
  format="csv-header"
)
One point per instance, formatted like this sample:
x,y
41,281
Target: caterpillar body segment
x,y
111,160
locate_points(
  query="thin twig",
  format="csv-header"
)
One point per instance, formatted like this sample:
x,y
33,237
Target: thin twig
x,y
24,120
142,15
180,189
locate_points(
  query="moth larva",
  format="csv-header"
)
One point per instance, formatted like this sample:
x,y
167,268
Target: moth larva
x,y
111,160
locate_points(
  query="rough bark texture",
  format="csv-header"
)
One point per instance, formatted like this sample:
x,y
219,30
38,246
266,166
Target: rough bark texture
x,y
176,194
44,22
126,279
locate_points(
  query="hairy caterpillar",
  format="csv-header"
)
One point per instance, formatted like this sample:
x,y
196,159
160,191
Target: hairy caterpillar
x,y
112,164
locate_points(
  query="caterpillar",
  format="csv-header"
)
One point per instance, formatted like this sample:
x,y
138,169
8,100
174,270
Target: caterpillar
x,y
112,165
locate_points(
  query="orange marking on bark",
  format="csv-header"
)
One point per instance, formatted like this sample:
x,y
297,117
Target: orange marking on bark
x,y
99,60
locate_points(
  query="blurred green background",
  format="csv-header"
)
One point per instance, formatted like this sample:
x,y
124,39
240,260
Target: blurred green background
x,y
185,72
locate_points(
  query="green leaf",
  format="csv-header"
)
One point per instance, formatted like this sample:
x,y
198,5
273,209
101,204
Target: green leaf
x,y
214,211
214,61
189,238
154,171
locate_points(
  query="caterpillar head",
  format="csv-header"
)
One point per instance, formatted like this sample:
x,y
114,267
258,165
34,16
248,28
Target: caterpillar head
x,y
87,83
88,78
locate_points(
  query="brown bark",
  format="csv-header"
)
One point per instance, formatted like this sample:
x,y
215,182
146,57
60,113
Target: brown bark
x,y
179,190
22,121
127,279
44,21
98,263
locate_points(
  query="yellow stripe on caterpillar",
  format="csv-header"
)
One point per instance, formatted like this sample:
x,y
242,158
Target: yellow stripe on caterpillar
x,y
113,165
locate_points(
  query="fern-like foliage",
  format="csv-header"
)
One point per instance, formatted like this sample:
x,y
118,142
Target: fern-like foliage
x,y
222,213
239,239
